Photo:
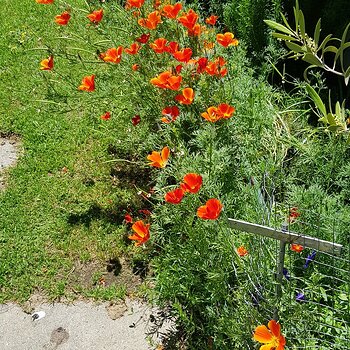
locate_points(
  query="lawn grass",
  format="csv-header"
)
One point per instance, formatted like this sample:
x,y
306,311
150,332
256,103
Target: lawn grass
x,y
61,207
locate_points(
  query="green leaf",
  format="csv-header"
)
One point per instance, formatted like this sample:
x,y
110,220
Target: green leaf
x,y
331,48
294,47
317,99
283,36
302,24
285,21
317,32
343,40
325,41
277,26
331,119
347,76
310,58
337,109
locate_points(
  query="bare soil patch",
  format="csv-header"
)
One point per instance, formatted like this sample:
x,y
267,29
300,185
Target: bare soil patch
x,y
9,151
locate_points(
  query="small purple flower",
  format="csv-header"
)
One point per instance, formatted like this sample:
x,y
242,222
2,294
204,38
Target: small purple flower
x,y
309,258
300,297
286,274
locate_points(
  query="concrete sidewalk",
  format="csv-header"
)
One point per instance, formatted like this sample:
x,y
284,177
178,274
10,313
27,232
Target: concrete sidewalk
x,y
81,326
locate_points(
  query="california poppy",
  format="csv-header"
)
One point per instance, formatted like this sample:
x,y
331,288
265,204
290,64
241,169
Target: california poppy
x,y
225,110
113,55
211,20
293,214
174,197
201,64
241,251
186,97
95,16
171,11
106,116
192,182
272,337
63,18
166,80
47,63
88,83
141,234
183,55
211,210
170,114
152,20
159,160
159,45
216,67
134,3
135,120
45,2
211,114
196,30
143,38
133,50
188,19
226,39
135,67
128,218
296,248
172,47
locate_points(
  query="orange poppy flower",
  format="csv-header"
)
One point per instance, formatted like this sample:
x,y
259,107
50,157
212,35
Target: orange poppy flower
x,y
106,116
159,160
128,218
63,18
45,2
157,3
170,114
226,39
217,67
171,11
211,210
293,214
211,20
174,197
192,182
297,248
195,31
143,38
88,83
95,16
272,337
134,3
141,234
183,55
133,50
186,97
241,251
113,55
47,63
152,20
159,45
208,45
201,64
211,114
166,80
225,110
135,67
188,19
172,47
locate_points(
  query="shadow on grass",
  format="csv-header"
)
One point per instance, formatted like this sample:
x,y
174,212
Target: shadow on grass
x,y
96,212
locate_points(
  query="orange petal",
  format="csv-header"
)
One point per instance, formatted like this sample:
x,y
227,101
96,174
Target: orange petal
x,y
275,328
262,334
